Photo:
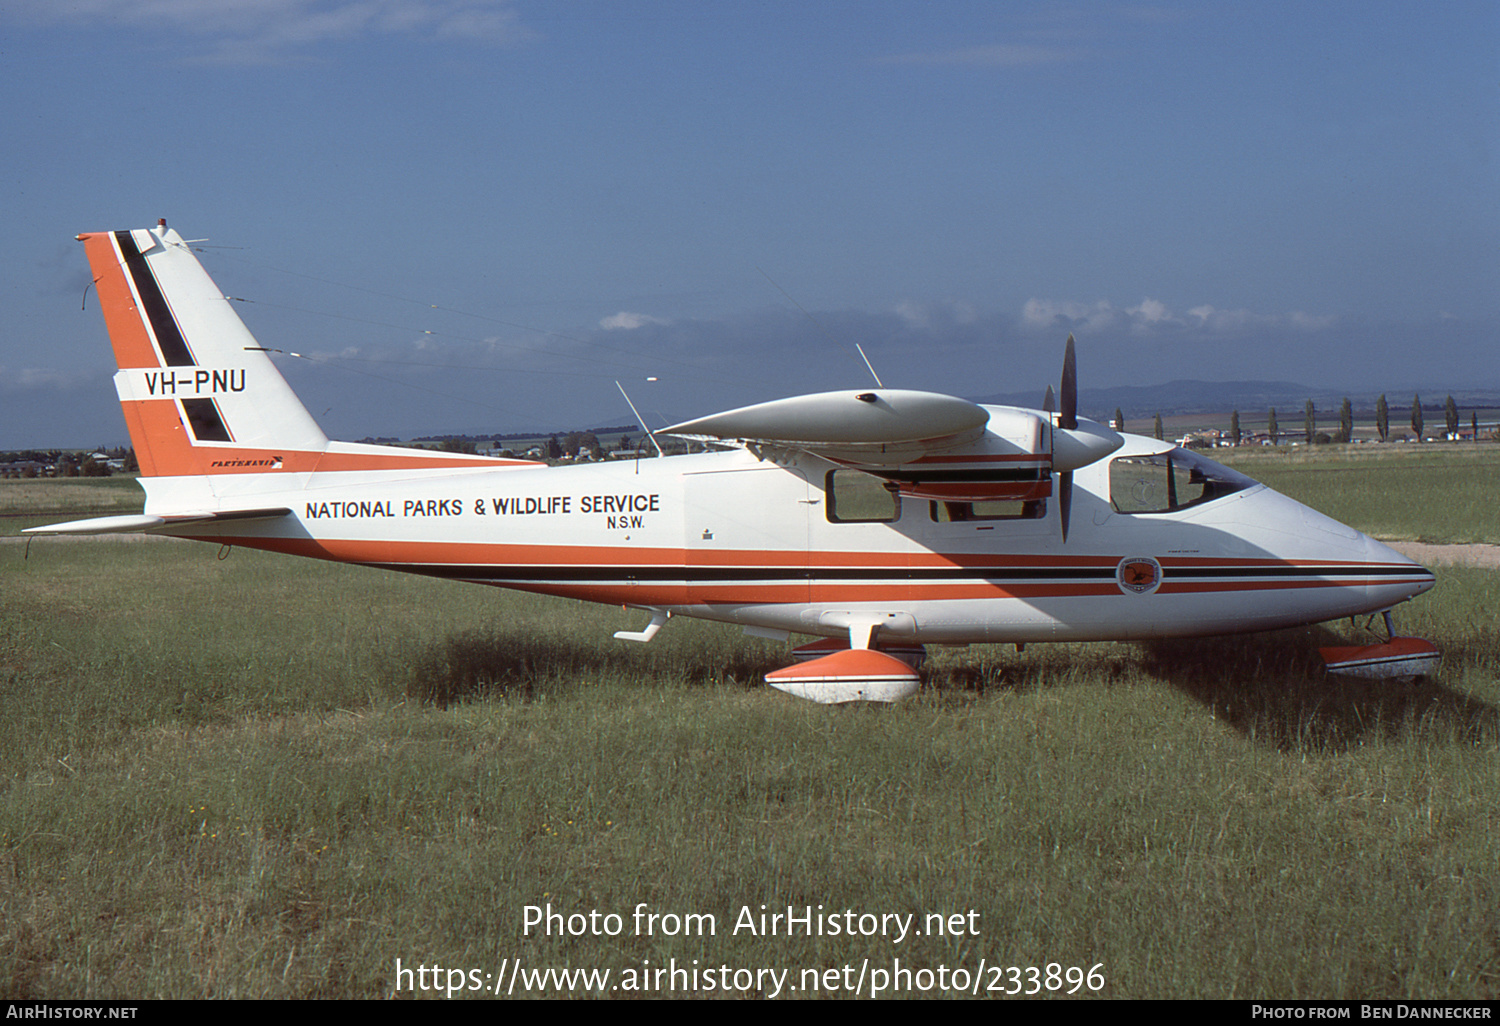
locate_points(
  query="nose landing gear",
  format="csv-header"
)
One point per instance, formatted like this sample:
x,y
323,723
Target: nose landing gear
x,y
1395,658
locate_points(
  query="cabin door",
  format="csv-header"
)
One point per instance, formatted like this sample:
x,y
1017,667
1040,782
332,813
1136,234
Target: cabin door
x,y
746,535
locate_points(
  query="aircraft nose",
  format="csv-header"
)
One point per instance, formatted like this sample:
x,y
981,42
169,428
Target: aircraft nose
x,y
1391,569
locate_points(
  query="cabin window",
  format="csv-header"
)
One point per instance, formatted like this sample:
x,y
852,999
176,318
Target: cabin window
x,y
1166,481
1007,509
855,497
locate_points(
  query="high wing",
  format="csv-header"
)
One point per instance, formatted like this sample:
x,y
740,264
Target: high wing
x,y
924,444
871,421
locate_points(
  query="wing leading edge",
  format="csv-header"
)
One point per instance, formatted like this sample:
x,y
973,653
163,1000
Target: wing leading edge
x,y
925,444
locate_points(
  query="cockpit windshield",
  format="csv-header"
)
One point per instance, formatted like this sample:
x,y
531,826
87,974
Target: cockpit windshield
x,y
1166,481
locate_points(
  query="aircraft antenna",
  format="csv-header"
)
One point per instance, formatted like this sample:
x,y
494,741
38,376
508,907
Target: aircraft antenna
x,y
871,368
640,420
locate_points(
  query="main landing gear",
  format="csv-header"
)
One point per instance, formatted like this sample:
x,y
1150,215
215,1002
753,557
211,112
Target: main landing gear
x,y
829,671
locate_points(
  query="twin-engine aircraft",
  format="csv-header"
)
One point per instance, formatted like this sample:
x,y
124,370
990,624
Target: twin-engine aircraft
x,y
877,520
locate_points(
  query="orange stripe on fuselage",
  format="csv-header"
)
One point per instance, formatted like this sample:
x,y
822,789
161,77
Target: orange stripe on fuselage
x,y
1198,587
335,462
424,557
1169,562
443,553
1039,458
979,491
165,448
421,554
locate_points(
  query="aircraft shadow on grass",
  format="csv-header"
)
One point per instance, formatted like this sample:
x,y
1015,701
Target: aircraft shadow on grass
x,y
1273,688
480,665
1270,687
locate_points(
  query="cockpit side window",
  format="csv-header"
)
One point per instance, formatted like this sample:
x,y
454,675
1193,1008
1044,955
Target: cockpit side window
x,y
1166,481
855,497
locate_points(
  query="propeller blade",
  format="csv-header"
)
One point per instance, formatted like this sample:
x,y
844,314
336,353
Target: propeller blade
x,y
1049,402
1068,417
1064,501
1074,443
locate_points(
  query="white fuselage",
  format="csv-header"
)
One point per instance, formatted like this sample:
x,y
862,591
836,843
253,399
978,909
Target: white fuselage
x,y
886,515
727,536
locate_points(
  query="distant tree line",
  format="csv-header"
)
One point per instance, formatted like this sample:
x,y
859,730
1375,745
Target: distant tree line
x,y
518,436
1236,434
65,462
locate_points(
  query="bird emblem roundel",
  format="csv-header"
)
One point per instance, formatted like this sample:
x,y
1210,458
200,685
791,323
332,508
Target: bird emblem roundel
x,y
1138,575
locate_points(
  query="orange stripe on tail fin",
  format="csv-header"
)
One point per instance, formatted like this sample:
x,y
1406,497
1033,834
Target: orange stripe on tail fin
x,y
200,396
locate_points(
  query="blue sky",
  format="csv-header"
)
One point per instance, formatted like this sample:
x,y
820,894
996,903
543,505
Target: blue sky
x,y
476,215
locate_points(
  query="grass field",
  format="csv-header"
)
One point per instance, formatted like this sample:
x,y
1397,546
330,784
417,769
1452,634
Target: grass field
x,y
27,503
1436,492
262,777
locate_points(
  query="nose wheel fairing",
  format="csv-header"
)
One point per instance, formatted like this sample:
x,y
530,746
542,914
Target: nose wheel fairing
x,y
1396,658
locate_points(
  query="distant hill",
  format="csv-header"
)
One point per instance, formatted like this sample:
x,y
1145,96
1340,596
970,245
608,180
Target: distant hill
x,y
1178,398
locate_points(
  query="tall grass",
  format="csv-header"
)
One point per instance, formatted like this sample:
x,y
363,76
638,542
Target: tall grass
x,y
273,778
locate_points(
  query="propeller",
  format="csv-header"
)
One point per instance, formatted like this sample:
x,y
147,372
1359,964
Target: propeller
x,y
1074,444
1067,419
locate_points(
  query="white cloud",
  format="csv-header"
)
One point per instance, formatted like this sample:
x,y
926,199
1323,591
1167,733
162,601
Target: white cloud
x,y
914,315
926,316
1150,311
1047,313
1152,315
999,55
38,377
253,31
1214,319
627,321
1048,35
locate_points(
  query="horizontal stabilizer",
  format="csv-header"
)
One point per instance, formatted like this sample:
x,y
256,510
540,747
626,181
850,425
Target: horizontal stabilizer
x,y
101,525
134,523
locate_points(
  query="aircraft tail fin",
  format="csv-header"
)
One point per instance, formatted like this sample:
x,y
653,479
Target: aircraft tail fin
x,y
200,395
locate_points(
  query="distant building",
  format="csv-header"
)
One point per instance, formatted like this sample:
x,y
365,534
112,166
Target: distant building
x,y
1204,440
